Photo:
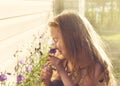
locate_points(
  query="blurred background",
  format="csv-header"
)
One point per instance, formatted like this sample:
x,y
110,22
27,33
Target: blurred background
x,y
20,19
104,15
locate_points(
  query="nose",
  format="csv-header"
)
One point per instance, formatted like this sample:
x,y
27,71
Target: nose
x,y
55,45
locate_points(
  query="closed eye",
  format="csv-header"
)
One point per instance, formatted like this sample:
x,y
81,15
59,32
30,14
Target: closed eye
x,y
55,40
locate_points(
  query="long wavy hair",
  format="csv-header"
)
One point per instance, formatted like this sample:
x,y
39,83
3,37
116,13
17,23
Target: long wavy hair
x,y
83,45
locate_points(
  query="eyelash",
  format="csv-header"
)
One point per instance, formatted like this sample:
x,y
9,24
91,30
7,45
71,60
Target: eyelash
x,y
55,40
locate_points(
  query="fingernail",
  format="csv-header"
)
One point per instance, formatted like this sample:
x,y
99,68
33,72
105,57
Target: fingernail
x,y
44,66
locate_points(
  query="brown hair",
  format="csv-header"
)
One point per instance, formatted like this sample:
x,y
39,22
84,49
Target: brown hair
x,y
83,45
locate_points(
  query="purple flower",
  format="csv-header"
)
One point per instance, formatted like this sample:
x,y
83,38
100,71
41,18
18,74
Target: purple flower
x,y
22,61
3,77
20,79
29,68
52,51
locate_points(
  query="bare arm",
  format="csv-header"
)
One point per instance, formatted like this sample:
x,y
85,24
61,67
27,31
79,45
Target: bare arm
x,y
65,78
59,67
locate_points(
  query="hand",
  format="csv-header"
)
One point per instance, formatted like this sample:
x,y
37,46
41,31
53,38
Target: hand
x,y
55,62
46,75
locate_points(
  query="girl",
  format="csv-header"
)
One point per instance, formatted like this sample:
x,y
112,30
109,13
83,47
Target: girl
x,y
84,62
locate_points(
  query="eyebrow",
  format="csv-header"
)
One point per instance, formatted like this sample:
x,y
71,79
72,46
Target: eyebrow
x,y
55,38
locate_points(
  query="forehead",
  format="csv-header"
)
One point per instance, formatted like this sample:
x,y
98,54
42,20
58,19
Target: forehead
x,y
55,31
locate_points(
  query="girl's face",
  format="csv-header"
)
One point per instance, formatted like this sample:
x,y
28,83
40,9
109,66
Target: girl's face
x,y
57,38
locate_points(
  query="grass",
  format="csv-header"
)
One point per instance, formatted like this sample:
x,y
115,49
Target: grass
x,y
113,44
113,37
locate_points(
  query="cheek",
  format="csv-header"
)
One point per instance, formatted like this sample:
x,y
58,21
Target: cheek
x,y
59,46
62,47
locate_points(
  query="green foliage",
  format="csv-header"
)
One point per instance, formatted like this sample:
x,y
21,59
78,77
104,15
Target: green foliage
x,y
103,16
31,68
30,63
112,37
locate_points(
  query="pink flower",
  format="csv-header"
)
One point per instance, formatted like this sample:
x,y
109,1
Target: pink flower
x,y
20,79
29,68
22,61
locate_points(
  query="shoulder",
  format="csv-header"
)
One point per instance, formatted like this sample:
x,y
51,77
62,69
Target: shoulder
x,y
92,78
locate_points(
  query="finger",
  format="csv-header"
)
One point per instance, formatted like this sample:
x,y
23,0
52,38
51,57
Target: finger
x,y
53,58
52,67
44,70
49,58
43,67
49,69
42,77
45,75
